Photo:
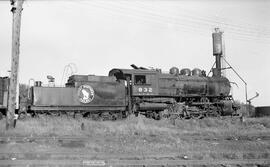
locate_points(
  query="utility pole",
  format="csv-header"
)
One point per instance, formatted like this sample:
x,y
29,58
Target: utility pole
x,y
16,25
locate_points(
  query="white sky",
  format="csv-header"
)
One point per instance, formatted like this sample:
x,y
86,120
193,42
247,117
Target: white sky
x,y
100,35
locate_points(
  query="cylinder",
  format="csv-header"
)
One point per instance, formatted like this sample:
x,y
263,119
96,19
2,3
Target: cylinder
x,y
227,108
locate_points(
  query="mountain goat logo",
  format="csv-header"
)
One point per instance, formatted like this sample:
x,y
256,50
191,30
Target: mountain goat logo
x,y
86,94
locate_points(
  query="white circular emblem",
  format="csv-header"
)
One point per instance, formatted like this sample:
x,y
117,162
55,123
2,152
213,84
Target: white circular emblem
x,y
86,93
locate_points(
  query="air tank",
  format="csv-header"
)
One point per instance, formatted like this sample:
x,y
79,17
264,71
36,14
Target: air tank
x,y
174,71
185,71
217,42
196,72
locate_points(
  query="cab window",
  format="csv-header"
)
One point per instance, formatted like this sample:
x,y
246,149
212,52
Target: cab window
x,y
140,80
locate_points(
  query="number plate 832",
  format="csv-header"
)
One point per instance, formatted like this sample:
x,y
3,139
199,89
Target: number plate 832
x,y
145,90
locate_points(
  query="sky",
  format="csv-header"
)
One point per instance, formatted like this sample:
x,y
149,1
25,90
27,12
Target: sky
x,y
96,36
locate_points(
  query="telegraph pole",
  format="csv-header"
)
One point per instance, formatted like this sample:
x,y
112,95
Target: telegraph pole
x,y
16,25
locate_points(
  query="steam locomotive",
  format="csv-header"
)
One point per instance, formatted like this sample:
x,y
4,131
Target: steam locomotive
x,y
146,91
151,92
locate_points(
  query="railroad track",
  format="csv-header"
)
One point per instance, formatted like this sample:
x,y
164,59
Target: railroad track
x,y
6,155
86,158
121,162
101,159
69,138
265,162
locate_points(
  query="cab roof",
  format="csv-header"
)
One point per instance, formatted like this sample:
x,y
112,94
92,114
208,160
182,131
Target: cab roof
x,y
121,73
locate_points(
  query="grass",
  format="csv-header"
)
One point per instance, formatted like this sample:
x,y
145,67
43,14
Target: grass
x,y
140,134
63,126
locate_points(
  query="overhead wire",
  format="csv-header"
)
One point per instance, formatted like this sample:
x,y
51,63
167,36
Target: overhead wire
x,y
188,16
235,28
187,22
210,18
167,18
232,31
161,18
140,17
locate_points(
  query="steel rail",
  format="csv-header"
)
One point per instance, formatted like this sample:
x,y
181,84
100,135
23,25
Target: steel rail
x,y
248,137
133,162
87,155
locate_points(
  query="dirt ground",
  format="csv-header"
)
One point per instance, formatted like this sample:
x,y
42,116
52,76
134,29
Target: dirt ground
x,y
64,138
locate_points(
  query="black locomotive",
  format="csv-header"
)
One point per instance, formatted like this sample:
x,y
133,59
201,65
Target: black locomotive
x,y
183,94
139,90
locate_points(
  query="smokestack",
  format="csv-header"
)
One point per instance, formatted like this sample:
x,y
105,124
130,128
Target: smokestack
x,y
217,51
